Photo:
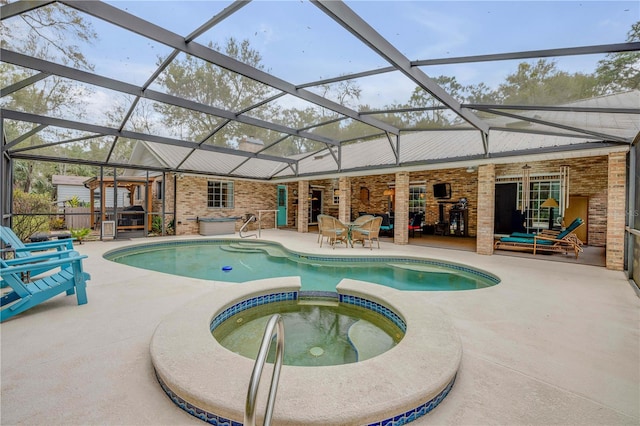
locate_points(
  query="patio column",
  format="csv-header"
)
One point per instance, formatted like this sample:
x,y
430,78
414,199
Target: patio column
x,y
401,212
616,198
344,207
486,208
303,206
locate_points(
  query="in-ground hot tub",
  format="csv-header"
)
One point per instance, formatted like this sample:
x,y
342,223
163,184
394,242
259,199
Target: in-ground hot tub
x,y
403,383
217,225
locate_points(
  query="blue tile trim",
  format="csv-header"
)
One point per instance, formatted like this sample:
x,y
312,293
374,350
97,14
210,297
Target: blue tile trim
x,y
376,307
115,254
252,303
203,415
419,411
397,420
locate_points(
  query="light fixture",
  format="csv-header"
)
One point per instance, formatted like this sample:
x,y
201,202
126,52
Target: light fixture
x,y
471,169
389,192
551,204
526,188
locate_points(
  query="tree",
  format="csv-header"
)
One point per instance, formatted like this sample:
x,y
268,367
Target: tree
x,y
620,71
50,33
24,206
541,83
209,84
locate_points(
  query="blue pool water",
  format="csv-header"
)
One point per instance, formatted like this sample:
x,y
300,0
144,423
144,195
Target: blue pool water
x,y
239,261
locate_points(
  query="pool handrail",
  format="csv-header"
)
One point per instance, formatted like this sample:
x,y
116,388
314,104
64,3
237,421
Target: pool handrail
x,y
274,325
251,218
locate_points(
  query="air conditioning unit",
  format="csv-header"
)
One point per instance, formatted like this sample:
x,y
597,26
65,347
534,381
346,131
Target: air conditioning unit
x,y
108,229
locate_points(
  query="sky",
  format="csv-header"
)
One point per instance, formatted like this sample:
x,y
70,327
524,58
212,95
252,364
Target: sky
x,y
299,43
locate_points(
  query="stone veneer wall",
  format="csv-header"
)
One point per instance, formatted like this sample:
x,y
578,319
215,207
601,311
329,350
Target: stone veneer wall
x,y
616,210
377,202
486,208
249,197
463,185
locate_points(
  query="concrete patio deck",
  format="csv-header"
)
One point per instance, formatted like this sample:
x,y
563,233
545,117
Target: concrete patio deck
x,y
553,343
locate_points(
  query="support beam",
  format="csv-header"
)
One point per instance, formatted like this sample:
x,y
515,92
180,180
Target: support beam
x,y
119,86
357,26
134,24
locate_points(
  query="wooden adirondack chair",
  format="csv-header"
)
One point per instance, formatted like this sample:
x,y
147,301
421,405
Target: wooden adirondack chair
x,y
68,277
26,250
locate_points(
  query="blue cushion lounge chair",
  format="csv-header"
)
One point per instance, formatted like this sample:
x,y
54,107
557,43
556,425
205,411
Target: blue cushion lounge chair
x,y
386,226
68,277
563,242
551,233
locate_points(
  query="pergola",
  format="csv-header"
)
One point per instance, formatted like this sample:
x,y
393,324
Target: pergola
x,y
132,184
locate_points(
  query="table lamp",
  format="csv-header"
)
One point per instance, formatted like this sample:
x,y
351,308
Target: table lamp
x,y
550,203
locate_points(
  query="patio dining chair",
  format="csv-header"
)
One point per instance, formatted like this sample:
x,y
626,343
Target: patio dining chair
x,y
369,231
334,230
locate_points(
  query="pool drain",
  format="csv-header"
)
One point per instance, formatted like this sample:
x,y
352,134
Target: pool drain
x,y
316,351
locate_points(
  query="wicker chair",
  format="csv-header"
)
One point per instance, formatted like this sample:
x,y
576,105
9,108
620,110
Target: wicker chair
x,y
369,231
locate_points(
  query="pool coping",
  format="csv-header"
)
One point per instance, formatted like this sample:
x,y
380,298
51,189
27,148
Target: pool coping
x,y
394,261
201,373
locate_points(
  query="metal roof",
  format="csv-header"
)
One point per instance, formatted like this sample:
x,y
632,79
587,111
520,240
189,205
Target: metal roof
x,y
126,106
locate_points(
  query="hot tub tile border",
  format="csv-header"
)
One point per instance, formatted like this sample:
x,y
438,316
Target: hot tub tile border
x,y
252,303
396,420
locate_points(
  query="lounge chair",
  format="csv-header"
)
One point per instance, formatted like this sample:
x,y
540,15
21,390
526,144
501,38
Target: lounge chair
x,y
415,225
387,226
69,278
369,231
25,250
334,230
563,242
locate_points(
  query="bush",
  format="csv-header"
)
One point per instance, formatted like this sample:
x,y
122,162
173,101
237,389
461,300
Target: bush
x,y
24,205
80,233
56,223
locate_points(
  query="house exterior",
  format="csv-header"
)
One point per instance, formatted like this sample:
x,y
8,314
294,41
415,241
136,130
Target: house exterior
x,y
68,187
594,184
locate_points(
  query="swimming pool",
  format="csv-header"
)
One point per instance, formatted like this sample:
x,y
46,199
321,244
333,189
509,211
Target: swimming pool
x,y
234,260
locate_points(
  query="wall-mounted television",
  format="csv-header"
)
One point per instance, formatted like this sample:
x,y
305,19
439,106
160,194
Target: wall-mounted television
x,y
442,190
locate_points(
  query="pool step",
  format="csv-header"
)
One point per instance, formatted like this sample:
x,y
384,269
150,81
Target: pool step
x,y
367,340
319,302
423,268
231,248
254,248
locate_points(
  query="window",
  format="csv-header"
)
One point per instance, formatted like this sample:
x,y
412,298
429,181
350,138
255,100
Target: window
x,y
220,195
539,192
159,189
417,198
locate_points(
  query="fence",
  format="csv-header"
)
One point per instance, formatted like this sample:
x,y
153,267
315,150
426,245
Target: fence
x,y
77,217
